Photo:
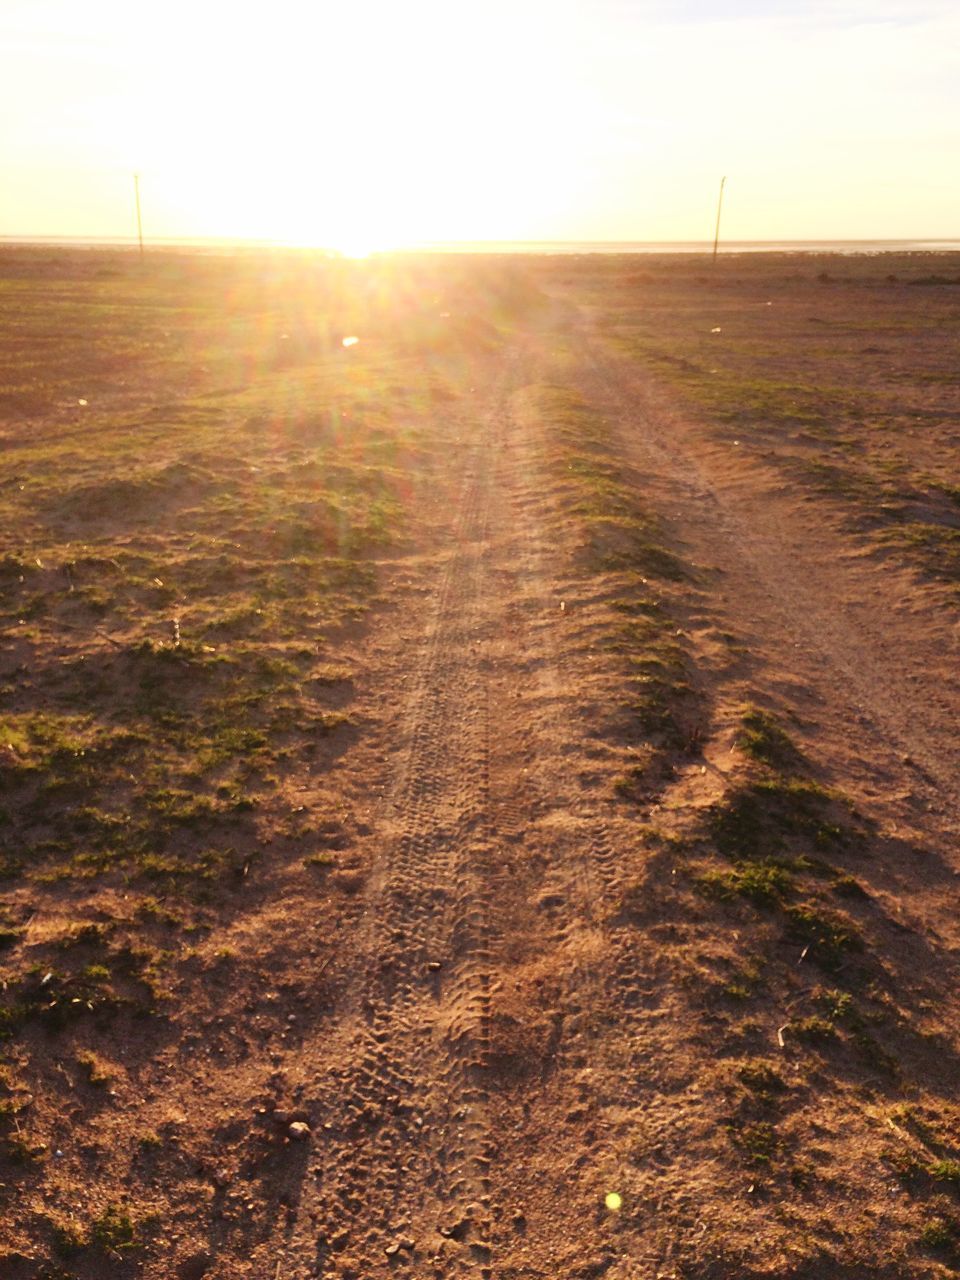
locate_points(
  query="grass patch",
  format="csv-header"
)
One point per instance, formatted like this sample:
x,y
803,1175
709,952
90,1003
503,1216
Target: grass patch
x,y
113,1232
830,937
620,534
947,1171
935,547
95,1069
762,1079
763,739
766,815
323,860
812,1030
623,542
761,882
759,1142
177,607
774,828
939,1234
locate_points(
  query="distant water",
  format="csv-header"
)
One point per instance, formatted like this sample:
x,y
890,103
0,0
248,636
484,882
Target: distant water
x,y
702,246
526,246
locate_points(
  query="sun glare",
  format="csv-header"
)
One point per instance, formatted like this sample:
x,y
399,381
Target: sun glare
x,y
357,249
358,128
393,144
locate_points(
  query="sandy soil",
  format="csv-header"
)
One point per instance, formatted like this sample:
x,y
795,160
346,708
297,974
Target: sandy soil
x,y
530,971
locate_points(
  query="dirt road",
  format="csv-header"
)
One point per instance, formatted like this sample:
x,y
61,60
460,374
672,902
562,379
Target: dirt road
x,y
514,1048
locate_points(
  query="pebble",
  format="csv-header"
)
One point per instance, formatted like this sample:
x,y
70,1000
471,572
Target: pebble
x,y
299,1131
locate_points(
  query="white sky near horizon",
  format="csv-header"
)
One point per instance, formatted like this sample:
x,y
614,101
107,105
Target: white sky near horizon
x,y
379,123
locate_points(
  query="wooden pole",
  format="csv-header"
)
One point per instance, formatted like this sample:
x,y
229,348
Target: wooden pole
x,y
136,192
716,237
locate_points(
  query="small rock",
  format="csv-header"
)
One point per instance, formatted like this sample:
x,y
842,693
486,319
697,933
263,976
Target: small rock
x,y
299,1131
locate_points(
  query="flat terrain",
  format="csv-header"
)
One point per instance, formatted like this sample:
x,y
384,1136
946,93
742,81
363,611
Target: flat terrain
x,y
479,778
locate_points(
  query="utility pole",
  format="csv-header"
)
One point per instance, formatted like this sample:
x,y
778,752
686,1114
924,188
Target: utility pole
x,y
136,192
716,238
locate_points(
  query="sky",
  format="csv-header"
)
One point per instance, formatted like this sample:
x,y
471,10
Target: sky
x,y
375,122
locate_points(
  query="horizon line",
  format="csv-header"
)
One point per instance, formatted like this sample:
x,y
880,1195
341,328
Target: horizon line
x,y
240,242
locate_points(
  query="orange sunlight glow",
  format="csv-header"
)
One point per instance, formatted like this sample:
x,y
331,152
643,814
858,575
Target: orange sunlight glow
x,y
353,128
378,126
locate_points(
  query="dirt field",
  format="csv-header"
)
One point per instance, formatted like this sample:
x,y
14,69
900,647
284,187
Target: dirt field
x,y
483,799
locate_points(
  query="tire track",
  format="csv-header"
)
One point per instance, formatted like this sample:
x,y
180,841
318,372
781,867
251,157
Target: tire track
x,y
404,1170
858,654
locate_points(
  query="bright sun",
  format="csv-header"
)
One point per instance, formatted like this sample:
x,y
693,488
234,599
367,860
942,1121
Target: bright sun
x,y
361,133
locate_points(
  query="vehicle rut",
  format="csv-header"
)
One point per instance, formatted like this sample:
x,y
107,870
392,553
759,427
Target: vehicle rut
x,y
405,1155
809,603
